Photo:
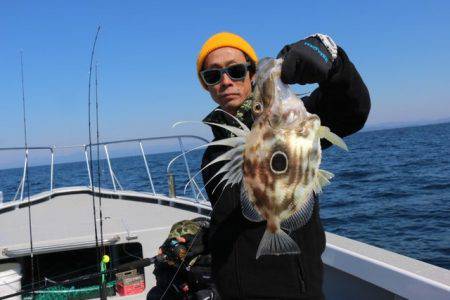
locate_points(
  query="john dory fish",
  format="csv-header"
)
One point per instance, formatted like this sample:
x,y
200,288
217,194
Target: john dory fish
x,y
277,161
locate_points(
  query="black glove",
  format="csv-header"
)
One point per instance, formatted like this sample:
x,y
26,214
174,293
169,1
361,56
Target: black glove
x,y
210,294
197,245
307,61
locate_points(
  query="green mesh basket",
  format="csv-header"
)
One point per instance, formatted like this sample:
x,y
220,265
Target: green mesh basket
x,y
60,292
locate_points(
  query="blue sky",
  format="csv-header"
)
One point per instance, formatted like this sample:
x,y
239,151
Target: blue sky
x,y
147,51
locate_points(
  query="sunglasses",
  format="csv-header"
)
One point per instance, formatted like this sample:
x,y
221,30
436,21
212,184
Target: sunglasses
x,y
235,72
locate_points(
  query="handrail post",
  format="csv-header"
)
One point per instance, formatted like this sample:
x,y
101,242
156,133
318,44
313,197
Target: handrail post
x,y
91,183
187,165
171,183
51,169
110,167
147,168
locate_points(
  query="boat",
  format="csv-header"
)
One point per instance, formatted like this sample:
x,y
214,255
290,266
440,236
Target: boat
x,y
136,223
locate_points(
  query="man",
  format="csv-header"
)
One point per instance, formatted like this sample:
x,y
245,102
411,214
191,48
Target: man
x,y
226,66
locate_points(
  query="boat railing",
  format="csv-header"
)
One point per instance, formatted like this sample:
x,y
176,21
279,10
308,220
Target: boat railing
x,y
85,148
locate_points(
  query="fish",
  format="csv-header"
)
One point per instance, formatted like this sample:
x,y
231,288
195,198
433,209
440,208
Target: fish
x,y
276,162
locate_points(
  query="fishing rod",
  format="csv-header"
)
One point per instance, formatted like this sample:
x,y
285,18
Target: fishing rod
x,y
103,296
98,161
26,181
145,262
102,246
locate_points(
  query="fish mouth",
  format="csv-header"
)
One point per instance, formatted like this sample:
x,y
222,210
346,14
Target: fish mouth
x,y
291,116
286,119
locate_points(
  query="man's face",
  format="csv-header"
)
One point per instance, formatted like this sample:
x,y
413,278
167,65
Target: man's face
x,y
227,93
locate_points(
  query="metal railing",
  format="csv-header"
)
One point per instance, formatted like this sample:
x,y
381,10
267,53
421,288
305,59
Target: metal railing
x,y
197,192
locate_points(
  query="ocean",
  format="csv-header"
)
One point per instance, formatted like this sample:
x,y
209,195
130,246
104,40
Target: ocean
x,y
391,190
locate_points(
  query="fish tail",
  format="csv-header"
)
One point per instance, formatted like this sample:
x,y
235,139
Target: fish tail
x,y
276,243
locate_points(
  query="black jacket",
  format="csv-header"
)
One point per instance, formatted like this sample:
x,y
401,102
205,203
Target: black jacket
x,y
343,104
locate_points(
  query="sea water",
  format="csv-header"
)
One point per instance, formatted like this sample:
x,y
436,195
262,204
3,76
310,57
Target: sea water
x,y
391,190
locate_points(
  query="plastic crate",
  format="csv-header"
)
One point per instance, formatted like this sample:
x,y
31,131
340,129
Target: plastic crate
x,y
131,289
129,283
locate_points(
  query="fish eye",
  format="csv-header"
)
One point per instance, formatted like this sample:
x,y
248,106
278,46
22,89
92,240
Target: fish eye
x,y
258,107
279,162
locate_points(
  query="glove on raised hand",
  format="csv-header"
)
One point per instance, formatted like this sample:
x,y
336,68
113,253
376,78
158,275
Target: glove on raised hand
x,y
308,60
196,245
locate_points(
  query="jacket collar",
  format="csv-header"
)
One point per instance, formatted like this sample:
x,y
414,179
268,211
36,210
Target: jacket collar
x,y
244,114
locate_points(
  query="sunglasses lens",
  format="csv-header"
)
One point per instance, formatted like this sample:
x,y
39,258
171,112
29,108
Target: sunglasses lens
x,y
211,76
214,76
237,72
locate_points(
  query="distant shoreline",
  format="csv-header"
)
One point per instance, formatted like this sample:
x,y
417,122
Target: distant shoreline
x,y
370,128
387,126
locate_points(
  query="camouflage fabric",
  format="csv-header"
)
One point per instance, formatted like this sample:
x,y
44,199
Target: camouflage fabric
x,y
183,228
246,106
244,114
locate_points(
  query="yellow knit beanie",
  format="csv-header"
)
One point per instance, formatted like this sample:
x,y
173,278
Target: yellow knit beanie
x,y
223,39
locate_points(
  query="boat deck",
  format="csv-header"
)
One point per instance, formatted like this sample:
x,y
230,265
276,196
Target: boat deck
x,y
63,220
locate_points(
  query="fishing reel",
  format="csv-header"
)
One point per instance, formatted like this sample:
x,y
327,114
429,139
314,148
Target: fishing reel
x,y
173,252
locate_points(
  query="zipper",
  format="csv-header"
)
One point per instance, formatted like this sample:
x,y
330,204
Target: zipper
x,y
236,256
301,273
238,278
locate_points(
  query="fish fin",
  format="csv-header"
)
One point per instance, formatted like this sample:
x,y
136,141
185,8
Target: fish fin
x,y
322,179
325,132
278,243
243,126
230,154
225,178
301,217
233,175
235,130
236,173
226,156
248,210
230,166
230,142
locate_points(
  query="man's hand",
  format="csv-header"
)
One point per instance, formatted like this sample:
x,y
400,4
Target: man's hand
x,y
309,60
195,245
183,248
